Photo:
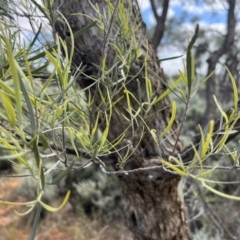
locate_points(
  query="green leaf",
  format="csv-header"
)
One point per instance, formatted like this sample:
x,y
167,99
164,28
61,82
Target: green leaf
x,y
50,9
44,141
29,107
64,91
173,116
169,89
11,148
235,89
178,162
190,60
9,109
16,84
105,132
220,109
75,35
62,174
36,221
207,172
7,89
41,9
38,160
220,193
208,139
51,209
174,168
39,70
35,37
163,59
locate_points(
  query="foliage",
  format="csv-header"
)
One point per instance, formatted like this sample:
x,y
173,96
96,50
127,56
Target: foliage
x,y
45,119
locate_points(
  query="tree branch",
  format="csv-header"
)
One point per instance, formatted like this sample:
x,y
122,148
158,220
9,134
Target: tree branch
x,y
154,9
160,27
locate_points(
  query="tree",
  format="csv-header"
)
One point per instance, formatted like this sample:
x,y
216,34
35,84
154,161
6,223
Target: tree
x,y
225,50
139,189
210,42
160,27
152,207
122,106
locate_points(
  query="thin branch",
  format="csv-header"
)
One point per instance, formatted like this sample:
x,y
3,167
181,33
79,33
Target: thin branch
x,y
126,172
214,217
186,155
52,168
110,29
182,122
201,211
219,167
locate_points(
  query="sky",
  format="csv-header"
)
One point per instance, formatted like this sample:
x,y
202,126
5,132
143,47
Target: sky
x,y
208,13
211,16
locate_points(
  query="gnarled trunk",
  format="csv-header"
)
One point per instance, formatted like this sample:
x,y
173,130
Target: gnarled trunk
x,y
151,204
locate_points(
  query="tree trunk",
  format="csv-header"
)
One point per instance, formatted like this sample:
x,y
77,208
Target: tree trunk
x,y
151,205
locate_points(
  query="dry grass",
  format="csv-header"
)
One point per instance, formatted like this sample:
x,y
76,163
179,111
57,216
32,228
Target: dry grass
x,y
63,225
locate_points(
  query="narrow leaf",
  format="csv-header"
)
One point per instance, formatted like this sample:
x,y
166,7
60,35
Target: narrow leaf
x,y
173,116
36,221
190,62
220,193
29,106
51,209
62,174
174,168
75,35
9,109
235,89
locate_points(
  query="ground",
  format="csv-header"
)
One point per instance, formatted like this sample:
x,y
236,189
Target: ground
x,y
63,225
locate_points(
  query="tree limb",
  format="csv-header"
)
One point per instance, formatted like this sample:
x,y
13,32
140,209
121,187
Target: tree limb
x,y
160,27
154,9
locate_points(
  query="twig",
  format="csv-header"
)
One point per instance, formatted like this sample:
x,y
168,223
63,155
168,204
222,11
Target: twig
x,y
214,218
113,18
52,168
126,172
201,211
219,168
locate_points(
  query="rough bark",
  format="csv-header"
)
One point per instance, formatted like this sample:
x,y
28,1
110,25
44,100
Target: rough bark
x,y
151,205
